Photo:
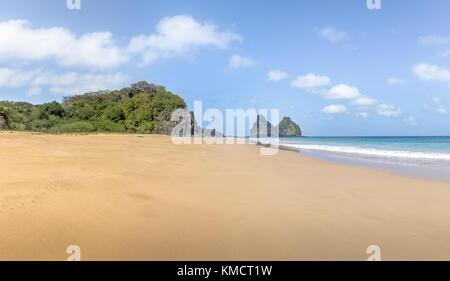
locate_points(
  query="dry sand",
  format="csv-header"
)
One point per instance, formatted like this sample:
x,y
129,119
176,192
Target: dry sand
x,y
129,197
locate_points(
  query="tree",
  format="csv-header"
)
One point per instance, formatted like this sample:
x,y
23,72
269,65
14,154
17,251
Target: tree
x,y
114,113
52,108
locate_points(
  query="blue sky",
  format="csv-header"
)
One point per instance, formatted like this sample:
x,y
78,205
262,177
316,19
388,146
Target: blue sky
x,y
335,67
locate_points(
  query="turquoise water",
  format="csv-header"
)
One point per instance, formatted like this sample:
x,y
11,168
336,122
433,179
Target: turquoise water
x,y
430,148
423,157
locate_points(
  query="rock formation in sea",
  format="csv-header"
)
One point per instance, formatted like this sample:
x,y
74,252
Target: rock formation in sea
x,y
288,128
263,128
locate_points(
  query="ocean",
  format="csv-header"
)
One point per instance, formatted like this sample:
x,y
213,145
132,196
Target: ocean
x,y
423,157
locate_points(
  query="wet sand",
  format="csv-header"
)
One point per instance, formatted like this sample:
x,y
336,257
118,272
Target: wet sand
x,y
129,197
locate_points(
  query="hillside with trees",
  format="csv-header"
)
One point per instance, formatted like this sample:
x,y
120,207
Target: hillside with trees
x,y
141,108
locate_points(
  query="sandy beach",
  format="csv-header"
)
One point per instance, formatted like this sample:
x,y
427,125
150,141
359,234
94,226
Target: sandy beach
x,y
140,197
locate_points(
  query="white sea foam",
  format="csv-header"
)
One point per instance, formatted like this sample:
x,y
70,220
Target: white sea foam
x,y
372,151
362,151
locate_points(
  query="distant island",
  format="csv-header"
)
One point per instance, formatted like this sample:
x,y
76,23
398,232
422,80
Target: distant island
x,y
286,128
142,108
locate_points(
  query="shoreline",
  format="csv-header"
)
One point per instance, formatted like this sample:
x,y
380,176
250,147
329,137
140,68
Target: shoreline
x,y
127,197
429,170
421,169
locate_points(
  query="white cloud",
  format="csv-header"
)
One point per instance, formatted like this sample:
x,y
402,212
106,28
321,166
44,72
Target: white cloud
x,y
388,110
442,110
22,44
396,81
20,41
72,83
334,109
277,75
332,34
12,78
35,91
433,40
436,100
343,91
347,93
431,72
69,83
180,36
364,101
310,81
237,61
363,114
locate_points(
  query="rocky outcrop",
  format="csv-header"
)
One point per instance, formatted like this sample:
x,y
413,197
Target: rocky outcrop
x,y
288,128
262,128
207,133
188,127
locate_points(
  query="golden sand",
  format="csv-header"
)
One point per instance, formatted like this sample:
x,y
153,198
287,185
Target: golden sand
x,y
129,197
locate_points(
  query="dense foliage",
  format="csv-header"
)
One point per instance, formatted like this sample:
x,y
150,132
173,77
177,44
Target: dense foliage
x,y
141,108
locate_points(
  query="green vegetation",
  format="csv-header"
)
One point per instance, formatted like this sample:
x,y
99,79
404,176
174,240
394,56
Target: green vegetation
x,y
142,108
288,128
